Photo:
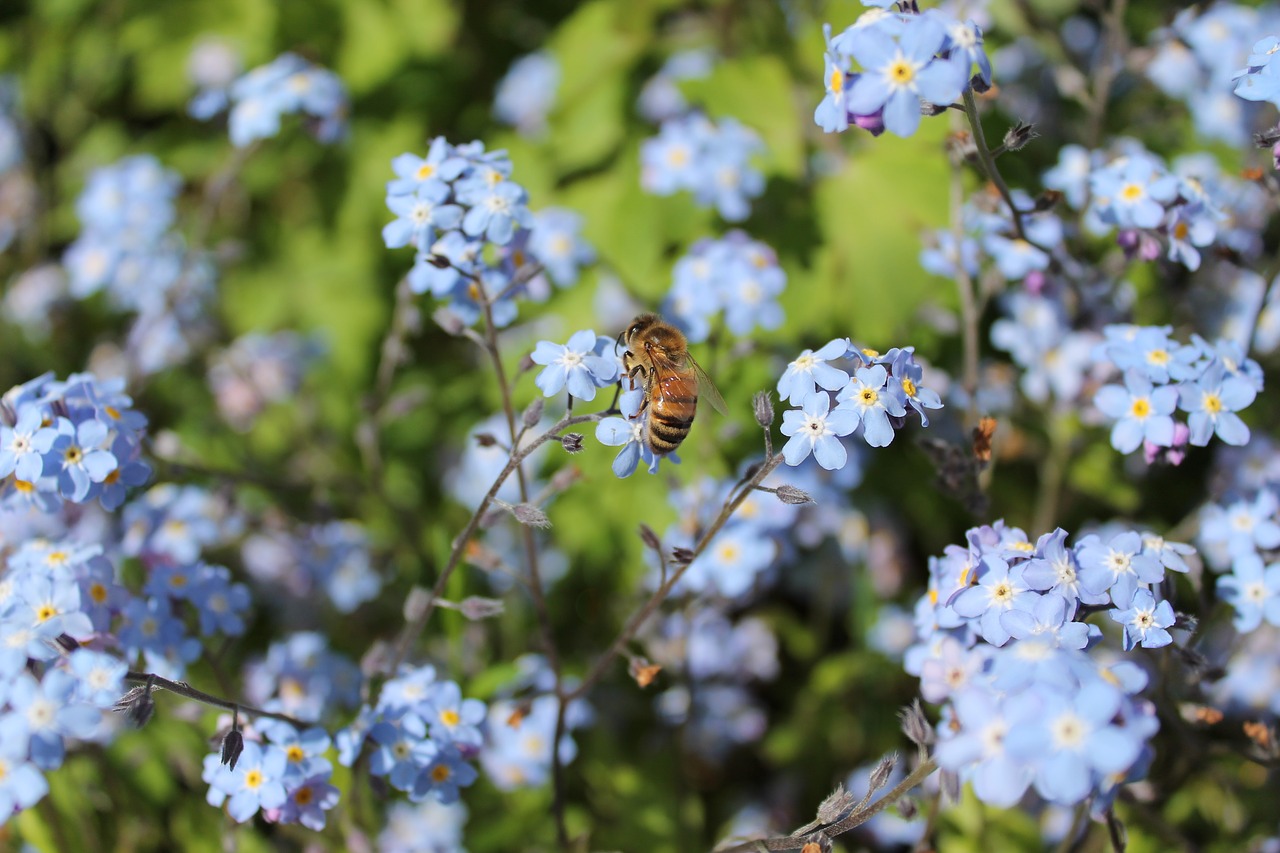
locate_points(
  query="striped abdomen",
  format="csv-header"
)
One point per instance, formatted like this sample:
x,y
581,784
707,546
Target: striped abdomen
x,y
673,403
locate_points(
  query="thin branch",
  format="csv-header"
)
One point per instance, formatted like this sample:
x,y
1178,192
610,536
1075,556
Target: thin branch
x,y
601,663
989,165
186,690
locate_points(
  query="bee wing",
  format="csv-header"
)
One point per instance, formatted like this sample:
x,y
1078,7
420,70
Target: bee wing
x,y
707,389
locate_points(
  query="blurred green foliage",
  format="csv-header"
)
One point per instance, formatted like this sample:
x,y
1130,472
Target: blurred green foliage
x,y
300,229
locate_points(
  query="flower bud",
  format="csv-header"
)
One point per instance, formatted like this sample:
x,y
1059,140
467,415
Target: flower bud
x,y
486,439
533,413
762,405
649,538
137,705
415,603
449,321
792,495
643,671
531,515
836,806
476,607
880,774
1019,135
571,442
232,746
915,725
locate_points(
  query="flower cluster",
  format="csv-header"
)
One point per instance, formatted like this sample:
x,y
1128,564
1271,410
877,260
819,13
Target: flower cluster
x,y
1196,60
527,93
1208,382
1056,360
127,244
907,61
74,441
257,100
257,370
872,402
452,203
422,736
710,160
302,677
989,241
333,557
734,277
585,363
715,661
285,774
1182,210
48,705
1030,699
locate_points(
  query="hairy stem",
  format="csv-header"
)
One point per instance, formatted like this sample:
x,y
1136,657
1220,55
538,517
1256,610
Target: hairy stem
x,y
186,690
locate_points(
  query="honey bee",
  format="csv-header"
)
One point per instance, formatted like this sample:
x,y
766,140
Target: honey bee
x,y
658,356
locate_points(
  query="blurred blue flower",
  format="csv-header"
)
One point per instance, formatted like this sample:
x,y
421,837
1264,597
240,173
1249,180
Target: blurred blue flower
x,y
557,244
418,215
441,778
1253,590
257,782
21,784
1142,412
1117,566
1212,402
527,93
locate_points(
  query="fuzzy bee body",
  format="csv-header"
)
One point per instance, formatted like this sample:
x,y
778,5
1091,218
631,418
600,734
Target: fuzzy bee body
x,y
658,357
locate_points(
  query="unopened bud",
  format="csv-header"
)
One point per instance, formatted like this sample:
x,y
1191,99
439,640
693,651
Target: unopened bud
x,y
1047,200
643,671
531,515
1267,138
476,607
232,746
915,725
378,659
881,773
1019,135
486,439
571,442
533,413
682,556
415,603
440,262
979,85
137,705
792,495
907,808
526,364
449,321
835,807
68,643
649,538
762,406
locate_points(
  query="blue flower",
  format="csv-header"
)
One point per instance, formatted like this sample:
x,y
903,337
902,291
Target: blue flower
x,y
220,603
78,455
899,75
100,677
975,744
309,800
256,783
1253,590
1145,621
1132,192
1260,79
1212,402
1117,566
578,365
1073,743
814,429
495,210
628,432
964,43
21,784
418,215
1142,413
832,114
999,589
558,246
443,776
906,374
810,371
46,712
19,453
452,718
441,163
402,750
731,562
1047,618
288,84
872,400
304,751
527,92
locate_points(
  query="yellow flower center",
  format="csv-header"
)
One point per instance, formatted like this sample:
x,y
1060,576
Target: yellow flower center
x,y
868,396
836,83
424,171
450,718
1132,192
1140,408
901,72
295,753
303,796
1212,404
909,387
253,779
440,772
46,612
1158,356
